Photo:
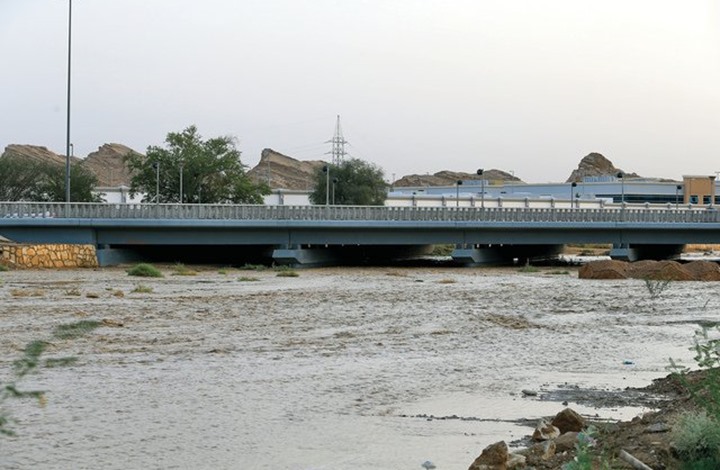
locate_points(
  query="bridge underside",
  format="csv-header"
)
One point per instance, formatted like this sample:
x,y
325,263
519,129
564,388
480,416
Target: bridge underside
x,y
338,242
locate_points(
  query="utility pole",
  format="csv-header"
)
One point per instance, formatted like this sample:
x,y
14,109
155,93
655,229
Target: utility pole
x,y
338,144
67,129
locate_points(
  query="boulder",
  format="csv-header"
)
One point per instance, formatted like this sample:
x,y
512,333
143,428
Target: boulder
x,y
542,451
545,432
568,421
604,269
566,442
493,457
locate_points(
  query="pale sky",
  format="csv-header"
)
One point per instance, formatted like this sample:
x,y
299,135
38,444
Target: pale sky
x,y
529,86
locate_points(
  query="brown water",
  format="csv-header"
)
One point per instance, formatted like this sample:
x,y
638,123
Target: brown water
x,y
334,369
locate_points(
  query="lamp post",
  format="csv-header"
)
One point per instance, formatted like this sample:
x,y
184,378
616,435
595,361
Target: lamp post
x,y
573,185
712,191
326,170
67,129
181,182
457,193
621,176
677,192
156,166
482,186
335,181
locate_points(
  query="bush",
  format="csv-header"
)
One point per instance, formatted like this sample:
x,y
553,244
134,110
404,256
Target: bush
x,y
144,270
4,268
248,279
141,289
286,271
182,270
697,440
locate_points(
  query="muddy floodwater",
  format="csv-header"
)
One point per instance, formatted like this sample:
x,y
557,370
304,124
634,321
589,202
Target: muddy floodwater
x,y
338,368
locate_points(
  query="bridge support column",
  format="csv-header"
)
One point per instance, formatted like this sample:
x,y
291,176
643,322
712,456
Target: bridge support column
x,y
107,256
626,252
298,256
504,254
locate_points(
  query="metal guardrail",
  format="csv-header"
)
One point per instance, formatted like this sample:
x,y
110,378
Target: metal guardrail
x,y
33,210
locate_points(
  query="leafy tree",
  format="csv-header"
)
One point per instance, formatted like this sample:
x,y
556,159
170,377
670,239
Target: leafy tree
x,y
352,182
22,179
210,170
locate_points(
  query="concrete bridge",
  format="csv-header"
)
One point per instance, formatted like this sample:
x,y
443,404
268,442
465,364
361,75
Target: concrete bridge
x,y
336,234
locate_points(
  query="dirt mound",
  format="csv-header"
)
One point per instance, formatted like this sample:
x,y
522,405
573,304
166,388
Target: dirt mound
x,y
604,269
653,270
660,271
704,270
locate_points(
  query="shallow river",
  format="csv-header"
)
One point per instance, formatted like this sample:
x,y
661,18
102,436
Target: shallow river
x,y
335,369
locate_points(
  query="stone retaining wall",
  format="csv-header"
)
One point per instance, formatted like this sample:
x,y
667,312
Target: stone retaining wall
x,y
48,256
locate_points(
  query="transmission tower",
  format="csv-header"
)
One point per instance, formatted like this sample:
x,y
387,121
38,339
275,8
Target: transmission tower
x,y
338,144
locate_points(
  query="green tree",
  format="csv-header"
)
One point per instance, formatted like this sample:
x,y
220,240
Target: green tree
x,y
22,179
352,182
210,171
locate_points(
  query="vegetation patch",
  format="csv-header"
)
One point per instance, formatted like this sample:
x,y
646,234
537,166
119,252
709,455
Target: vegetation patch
x,y
74,292
75,330
447,281
144,270
254,267
142,289
4,268
182,270
27,292
286,271
248,279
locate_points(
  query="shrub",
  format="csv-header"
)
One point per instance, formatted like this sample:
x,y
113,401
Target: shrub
x,y
182,270
254,267
144,270
247,279
142,289
4,268
697,440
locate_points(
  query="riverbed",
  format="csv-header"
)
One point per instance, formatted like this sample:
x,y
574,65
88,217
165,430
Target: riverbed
x,y
338,368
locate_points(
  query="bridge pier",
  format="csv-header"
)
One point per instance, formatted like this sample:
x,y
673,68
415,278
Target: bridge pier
x,y
504,254
628,252
107,256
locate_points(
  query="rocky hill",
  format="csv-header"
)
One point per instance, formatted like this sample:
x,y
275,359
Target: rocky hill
x,y
108,165
35,153
595,164
281,171
449,178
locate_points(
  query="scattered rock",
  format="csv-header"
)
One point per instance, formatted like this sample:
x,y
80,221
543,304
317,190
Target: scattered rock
x,y
529,393
545,432
568,420
658,427
112,323
542,451
493,457
566,442
516,461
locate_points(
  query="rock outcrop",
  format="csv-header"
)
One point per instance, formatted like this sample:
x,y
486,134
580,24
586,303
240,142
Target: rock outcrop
x,y
283,172
35,154
449,178
108,165
595,164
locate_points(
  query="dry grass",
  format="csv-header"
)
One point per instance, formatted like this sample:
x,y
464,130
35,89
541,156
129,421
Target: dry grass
x,y
447,281
142,289
701,248
27,293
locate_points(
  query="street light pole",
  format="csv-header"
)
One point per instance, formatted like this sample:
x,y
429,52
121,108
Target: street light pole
x,y
457,193
482,186
677,191
335,181
573,185
156,165
181,183
326,170
67,129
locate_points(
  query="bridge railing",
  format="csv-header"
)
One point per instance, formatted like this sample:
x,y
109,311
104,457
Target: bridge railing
x,y
23,210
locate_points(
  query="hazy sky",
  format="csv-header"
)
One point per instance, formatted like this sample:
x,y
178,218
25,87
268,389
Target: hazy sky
x,y
529,86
